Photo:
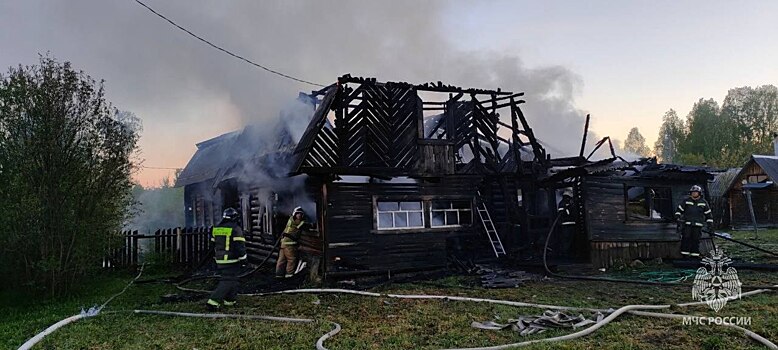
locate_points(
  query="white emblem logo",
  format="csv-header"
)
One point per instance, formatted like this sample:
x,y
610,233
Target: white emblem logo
x,y
716,286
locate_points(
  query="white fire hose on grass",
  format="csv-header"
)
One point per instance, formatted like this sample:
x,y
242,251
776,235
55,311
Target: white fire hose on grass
x,y
633,309
84,314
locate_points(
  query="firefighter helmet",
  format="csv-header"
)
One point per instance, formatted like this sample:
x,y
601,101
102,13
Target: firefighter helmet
x,y
230,214
298,210
696,188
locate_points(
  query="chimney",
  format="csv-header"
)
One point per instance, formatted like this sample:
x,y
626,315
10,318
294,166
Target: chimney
x,y
775,143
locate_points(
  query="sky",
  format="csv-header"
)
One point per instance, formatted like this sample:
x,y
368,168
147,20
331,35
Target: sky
x,y
625,62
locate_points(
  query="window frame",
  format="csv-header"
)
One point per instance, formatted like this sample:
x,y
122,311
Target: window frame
x,y
648,206
426,202
407,212
756,178
445,211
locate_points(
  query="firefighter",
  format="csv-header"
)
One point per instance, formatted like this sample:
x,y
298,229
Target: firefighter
x,y
230,255
693,213
287,256
566,212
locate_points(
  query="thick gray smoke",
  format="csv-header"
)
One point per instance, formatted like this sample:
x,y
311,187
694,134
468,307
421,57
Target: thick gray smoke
x,y
187,92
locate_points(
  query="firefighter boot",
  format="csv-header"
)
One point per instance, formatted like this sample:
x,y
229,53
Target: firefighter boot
x,y
212,305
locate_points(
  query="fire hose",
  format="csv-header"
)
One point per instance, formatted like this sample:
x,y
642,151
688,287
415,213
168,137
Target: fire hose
x,y
180,286
633,309
84,314
742,243
609,279
337,327
612,316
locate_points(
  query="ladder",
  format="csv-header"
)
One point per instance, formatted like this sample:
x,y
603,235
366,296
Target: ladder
x,y
491,231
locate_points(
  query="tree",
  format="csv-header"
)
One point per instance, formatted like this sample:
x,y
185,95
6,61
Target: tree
x,y
707,134
636,143
671,134
754,114
65,175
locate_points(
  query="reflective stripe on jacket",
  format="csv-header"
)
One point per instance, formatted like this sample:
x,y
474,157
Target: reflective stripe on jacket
x,y
229,243
566,211
694,212
292,232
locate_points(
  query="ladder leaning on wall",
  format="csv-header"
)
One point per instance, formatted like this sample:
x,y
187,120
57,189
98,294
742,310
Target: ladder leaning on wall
x,y
488,224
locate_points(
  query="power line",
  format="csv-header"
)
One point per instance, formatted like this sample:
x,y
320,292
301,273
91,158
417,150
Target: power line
x,y
225,50
158,167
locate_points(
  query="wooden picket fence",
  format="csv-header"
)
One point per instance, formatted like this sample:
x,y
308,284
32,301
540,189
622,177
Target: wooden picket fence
x,y
172,246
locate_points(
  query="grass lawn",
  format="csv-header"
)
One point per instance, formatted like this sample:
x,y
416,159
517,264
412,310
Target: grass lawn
x,y
765,239
379,323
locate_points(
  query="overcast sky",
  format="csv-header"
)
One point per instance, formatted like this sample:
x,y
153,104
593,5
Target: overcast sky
x,y
626,63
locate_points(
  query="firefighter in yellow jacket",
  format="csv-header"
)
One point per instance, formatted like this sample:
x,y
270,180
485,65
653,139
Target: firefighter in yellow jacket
x,y
230,254
287,256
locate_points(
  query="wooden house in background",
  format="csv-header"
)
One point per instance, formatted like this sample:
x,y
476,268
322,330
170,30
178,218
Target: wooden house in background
x,y
756,181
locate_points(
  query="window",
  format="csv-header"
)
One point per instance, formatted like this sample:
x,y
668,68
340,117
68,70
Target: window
x,y
450,213
753,179
649,203
399,215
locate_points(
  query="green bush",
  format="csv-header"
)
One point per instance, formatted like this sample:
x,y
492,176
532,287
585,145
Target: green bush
x,y
65,175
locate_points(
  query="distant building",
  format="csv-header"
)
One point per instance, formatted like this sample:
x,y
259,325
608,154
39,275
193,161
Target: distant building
x,y
756,180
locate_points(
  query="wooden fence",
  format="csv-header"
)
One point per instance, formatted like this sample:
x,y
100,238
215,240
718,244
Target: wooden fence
x,y
174,246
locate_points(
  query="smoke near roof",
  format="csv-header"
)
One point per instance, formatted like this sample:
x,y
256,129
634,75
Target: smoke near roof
x,y
186,92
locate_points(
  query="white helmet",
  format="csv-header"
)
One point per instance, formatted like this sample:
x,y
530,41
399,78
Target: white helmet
x,y
298,210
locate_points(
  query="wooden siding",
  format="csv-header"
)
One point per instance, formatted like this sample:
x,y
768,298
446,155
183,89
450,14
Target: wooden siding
x,y
765,201
614,237
353,244
436,158
607,254
606,216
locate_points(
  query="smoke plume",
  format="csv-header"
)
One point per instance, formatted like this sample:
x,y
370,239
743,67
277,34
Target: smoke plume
x,y
186,91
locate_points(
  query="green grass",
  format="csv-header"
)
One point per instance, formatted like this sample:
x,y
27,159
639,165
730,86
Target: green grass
x,y
765,239
379,323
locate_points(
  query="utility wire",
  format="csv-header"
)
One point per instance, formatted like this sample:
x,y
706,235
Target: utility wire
x,y
225,50
158,167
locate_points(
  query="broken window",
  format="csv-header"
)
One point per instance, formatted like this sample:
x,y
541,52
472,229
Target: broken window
x,y
393,215
649,203
450,213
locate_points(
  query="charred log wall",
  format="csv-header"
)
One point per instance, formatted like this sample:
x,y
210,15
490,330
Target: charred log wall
x,y
354,243
616,235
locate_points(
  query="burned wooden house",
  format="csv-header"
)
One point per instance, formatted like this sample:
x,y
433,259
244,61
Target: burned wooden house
x,y
627,208
397,177
411,174
401,177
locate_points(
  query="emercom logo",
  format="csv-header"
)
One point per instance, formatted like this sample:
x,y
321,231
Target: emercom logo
x,y
715,286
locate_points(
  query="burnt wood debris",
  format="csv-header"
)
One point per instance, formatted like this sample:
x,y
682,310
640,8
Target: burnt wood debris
x,y
402,177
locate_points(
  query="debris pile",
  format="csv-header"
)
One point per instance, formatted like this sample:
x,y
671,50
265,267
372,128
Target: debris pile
x,y
527,325
495,277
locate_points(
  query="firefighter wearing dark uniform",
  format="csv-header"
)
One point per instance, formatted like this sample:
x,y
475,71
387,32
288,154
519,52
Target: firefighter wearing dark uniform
x,y
566,211
230,254
693,213
287,255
